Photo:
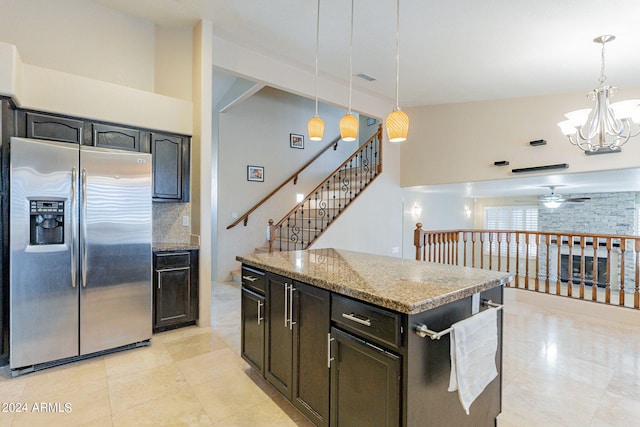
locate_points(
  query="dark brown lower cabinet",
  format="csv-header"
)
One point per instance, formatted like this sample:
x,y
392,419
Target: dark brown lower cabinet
x,y
310,352
279,334
175,293
365,383
297,334
344,362
252,333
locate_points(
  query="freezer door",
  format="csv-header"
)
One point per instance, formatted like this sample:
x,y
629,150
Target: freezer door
x,y
43,319
115,248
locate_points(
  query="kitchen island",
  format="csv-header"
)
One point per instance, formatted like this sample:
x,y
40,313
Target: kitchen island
x,y
339,334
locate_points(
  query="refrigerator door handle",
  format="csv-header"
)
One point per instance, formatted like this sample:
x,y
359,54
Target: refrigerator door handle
x,y
74,233
83,235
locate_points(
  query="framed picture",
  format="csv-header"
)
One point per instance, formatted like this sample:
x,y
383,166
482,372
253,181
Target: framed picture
x,y
296,141
255,173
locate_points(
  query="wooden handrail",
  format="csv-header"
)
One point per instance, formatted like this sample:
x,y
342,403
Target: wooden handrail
x,y
536,269
294,178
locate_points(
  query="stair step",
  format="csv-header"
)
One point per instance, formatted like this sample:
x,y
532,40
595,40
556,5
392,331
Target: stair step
x,y
236,276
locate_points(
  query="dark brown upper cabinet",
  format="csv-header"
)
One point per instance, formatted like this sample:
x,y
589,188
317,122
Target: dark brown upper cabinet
x,y
121,138
170,167
51,128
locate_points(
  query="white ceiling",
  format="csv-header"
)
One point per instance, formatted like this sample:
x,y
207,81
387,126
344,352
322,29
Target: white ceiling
x,y
450,51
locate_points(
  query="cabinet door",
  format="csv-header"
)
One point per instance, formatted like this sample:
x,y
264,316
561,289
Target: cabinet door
x,y
365,383
167,166
53,128
108,136
279,334
252,332
172,296
310,352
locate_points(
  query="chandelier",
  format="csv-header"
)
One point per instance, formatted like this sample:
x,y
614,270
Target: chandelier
x,y
606,127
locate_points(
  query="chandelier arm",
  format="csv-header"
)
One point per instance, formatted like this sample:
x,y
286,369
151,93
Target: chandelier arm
x,y
593,125
614,126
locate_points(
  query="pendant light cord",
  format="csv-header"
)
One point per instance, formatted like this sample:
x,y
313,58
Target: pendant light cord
x,y
317,37
350,55
398,54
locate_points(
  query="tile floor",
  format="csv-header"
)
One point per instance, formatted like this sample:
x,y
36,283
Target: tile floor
x,y
560,369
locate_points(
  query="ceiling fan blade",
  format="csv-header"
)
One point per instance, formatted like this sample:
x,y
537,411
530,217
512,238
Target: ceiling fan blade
x,y
578,199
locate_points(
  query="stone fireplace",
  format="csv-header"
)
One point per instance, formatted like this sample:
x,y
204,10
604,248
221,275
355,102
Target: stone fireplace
x,y
605,213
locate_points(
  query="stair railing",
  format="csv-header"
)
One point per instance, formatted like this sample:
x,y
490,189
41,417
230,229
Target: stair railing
x,y
602,268
311,217
294,177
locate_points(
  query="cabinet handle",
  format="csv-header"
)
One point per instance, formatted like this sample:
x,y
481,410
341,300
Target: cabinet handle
x,y
286,303
291,322
260,318
354,318
250,278
329,358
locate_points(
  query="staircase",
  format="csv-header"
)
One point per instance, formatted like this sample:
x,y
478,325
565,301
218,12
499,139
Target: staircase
x,y
303,224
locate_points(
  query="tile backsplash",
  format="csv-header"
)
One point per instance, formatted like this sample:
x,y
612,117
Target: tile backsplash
x,y
167,222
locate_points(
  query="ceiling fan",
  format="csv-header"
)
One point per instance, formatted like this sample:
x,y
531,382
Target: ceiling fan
x,y
554,200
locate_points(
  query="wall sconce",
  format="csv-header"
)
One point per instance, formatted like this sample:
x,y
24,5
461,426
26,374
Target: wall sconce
x,y
299,197
416,211
467,212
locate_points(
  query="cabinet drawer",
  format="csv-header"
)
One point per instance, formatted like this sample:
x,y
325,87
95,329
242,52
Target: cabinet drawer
x,y
253,279
171,259
366,320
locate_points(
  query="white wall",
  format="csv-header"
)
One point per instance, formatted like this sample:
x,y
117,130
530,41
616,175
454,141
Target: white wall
x,y
83,38
436,211
173,62
459,142
256,132
82,59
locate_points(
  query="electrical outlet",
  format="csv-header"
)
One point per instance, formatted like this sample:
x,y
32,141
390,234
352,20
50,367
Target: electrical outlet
x,y
185,221
395,250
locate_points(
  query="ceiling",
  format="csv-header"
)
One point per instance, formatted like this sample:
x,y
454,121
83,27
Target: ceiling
x,y
450,51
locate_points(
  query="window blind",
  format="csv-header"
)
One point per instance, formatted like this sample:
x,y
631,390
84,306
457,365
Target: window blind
x,y
522,218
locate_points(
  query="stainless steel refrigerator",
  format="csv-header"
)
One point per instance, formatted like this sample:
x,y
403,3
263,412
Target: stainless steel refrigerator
x,y
80,251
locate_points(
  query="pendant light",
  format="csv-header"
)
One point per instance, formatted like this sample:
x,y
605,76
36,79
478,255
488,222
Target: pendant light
x,y
315,126
397,121
349,123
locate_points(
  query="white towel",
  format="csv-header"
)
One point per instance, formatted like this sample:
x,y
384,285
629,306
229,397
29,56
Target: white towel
x,y
474,343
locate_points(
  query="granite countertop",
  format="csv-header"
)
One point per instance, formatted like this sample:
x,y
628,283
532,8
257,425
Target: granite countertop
x,y
164,247
406,286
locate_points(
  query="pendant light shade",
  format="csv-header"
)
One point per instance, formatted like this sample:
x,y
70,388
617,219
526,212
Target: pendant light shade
x,y
349,127
397,126
397,122
349,123
315,126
